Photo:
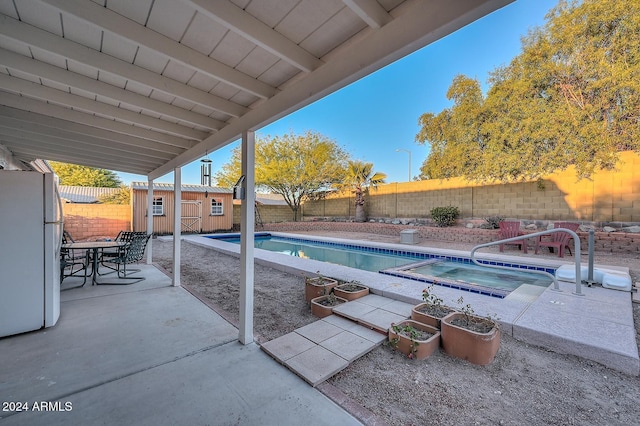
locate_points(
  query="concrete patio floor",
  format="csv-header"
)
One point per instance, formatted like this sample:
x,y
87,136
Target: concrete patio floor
x,y
151,354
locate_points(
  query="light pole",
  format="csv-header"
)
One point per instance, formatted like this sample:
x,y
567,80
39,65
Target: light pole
x,y
409,152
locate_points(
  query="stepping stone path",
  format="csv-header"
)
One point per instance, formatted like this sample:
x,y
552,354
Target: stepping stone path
x,y
321,349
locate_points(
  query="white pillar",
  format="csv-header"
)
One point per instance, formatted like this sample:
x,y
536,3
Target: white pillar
x,y
177,224
247,225
150,220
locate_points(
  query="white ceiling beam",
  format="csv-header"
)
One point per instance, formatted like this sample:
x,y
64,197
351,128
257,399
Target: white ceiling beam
x,y
416,25
108,20
49,72
36,123
34,139
27,104
44,93
25,33
241,22
370,12
32,150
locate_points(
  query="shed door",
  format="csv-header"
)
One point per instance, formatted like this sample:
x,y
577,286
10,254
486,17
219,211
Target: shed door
x,y
191,218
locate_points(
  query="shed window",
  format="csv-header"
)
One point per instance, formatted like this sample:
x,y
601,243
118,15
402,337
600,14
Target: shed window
x,y
158,206
216,207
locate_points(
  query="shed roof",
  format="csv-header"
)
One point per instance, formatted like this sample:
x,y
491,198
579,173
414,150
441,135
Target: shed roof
x,y
84,194
184,187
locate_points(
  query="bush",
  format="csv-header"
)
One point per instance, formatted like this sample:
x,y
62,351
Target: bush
x,y
493,222
444,216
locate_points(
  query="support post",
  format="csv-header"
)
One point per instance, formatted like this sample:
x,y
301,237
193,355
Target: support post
x,y
247,227
177,224
149,220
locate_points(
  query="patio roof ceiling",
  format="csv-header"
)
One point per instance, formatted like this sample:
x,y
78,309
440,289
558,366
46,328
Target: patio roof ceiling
x,y
146,86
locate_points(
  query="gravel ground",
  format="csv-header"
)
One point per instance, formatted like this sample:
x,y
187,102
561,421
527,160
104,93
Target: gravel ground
x,y
524,385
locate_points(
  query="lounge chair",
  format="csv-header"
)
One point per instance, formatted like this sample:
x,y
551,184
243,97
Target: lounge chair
x,y
558,240
130,253
73,262
511,229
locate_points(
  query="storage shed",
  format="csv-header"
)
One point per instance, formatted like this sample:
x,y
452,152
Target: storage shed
x,y
204,208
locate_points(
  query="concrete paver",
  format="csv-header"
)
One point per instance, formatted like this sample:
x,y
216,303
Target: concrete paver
x,y
348,345
316,364
287,346
380,319
319,331
353,310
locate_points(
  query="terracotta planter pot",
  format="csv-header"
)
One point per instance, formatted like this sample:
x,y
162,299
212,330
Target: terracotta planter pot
x,y
318,286
477,348
342,291
320,310
423,348
429,319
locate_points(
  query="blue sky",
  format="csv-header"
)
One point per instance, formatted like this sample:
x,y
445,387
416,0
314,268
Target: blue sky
x,y
378,114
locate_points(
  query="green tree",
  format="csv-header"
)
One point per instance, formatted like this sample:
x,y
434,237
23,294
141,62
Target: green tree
x,y
572,97
122,196
75,175
294,166
359,178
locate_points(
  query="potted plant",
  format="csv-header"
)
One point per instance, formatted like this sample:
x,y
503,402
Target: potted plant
x,y
432,310
470,337
351,290
414,339
323,306
318,286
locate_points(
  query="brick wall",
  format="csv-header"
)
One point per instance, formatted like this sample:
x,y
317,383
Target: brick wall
x,y
86,221
605,242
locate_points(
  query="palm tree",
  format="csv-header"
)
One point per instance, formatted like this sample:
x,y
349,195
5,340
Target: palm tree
x,y
359,178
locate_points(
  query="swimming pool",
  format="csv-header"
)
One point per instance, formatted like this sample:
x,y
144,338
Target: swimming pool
x,y
449,271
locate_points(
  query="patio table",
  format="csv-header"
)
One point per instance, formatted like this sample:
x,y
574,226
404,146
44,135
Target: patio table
x,y
95,247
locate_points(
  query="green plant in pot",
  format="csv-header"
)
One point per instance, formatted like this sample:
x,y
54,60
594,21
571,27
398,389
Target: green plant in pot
x,y
318,286
470,337
322,306
432,310
414,339
351,290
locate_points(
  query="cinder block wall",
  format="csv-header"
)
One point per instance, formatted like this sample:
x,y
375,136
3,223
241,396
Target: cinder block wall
x,y
86,221
608,196
268,214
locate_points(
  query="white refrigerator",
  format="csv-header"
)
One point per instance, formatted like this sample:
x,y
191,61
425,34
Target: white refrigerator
x,y
31,223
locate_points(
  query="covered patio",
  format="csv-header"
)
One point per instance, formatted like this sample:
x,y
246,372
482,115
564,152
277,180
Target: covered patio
x,y
147,87
152,354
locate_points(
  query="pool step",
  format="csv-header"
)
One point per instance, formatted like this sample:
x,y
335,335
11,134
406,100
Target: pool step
x,y
323,348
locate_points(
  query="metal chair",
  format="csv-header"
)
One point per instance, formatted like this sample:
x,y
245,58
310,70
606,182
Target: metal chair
x,y
130,253
123,237
510,229
69,259
559,240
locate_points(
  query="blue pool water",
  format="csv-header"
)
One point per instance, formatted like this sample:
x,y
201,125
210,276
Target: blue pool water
x,y
450,271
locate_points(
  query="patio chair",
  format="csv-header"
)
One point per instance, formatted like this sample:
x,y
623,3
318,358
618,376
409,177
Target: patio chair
x,y
123,237
558,240
511,229
70,259
130,253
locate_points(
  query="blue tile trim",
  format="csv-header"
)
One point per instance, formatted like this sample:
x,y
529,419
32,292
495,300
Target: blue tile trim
x,y
414,255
